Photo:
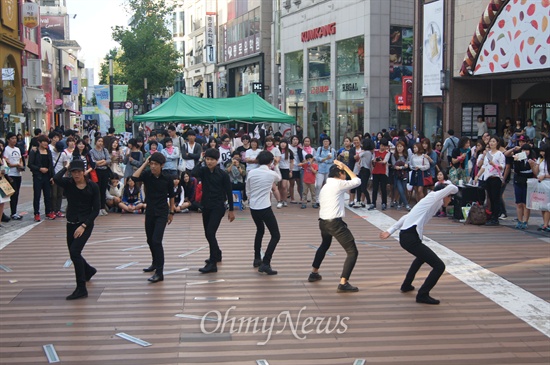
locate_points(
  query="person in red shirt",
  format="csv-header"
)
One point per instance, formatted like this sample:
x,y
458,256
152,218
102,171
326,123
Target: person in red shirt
x,y
310,170
380,174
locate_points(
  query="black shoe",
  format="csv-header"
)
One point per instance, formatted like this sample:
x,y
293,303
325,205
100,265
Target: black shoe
x,y
257,262
492,223
314,276
210,267
267,269
149,269
156,278
347,288
5,218
78,294
406,288
426,299
91,273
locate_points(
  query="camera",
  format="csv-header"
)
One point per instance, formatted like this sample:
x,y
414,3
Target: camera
x,y
378,159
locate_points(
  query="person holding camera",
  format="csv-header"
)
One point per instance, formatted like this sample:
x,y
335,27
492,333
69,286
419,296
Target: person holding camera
x,y
237,172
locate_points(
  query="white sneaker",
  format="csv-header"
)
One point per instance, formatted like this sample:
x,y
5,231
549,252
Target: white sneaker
x,y
279,205
185,210
103,212
285,204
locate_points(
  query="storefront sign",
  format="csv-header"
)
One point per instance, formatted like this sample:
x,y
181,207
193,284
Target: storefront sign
x,y
30,12
34,72
319,89
74,86
242,48
210,90
53,27
320,32
350,87
210,28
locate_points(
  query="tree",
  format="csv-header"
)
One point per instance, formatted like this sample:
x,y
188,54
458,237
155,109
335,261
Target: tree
x,y
119,77
146,49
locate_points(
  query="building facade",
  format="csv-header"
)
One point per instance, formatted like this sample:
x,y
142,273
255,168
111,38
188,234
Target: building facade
x,y
488,58
343,64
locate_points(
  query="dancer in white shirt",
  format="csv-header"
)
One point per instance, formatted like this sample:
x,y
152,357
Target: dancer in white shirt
x,y
331,198
411,227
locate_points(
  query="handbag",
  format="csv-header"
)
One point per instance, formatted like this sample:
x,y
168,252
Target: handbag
x,y
93,176
538,194
5,188
427,179
401,174
476,215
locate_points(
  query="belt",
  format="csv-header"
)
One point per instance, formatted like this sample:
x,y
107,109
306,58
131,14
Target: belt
x,y
75,223
330,220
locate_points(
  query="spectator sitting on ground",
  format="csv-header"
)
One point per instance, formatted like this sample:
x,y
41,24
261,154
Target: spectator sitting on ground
x,y
132,199
113,196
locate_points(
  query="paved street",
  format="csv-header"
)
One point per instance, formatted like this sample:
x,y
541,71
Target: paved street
x,y
494,296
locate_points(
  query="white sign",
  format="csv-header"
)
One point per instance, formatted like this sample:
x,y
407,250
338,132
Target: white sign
x,y
432,58
34,72
210,29
30,13
8,74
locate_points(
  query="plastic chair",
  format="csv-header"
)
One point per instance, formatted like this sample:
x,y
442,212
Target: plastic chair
x,y
238,199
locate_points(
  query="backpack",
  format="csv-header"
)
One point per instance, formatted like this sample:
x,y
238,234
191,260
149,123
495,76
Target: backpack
x,y
477,215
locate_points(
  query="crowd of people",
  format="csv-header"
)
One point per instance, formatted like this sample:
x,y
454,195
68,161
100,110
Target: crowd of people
x,y
201,173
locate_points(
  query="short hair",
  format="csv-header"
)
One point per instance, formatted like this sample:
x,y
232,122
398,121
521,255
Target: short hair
x,y
41,138
111,130
37,132
133,142
335,171
70,139
158,158
115,176
191,133
383,142
265,158
245,137
451,132
440,187
171,128
235,153
10,135
166,140
326,138
308,156
53,134
212,153
255,140
150,143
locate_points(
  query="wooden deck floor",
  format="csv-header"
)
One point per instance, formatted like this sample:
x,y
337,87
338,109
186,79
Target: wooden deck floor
x,y
378,324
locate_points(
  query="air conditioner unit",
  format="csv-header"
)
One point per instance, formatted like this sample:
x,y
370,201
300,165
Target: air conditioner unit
x,y
40,100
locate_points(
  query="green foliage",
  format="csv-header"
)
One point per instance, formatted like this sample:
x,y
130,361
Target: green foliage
x,y
146,50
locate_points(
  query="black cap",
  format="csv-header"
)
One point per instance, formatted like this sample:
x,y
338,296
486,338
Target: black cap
x,y
76,165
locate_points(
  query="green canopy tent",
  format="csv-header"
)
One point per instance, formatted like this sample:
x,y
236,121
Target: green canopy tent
x,y
184,108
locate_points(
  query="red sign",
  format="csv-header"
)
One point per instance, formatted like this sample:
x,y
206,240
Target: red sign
x,y
407,89
320,32
319,90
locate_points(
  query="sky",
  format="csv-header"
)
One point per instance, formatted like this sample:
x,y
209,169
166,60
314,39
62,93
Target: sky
x,y
91,28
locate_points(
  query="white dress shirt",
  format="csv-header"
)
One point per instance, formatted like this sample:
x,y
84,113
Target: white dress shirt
x,y
423,211
331,197
258,186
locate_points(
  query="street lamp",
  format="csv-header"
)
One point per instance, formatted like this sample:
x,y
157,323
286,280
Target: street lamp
x,y
111,90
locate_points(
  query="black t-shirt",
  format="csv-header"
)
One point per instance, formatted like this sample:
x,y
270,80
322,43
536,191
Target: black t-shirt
x,y
82,204
157,190
456,153
216,186
242,151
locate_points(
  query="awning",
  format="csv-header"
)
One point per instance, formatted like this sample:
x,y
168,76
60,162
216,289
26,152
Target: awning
x,y
68,67
73,111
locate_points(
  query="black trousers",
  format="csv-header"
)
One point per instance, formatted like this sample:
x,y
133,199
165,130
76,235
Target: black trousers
x,y
41,185
154,230
379,180
211,219
103,176
364,175
14,199
409,240
261,217
240,187
493,186
76,245
338,229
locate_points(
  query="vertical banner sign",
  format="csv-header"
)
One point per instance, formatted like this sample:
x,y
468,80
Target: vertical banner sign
x,y
210,35
74,86
210,90
30,13
432,58
34,72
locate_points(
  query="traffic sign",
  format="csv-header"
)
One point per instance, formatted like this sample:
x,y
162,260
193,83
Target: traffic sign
x,y
128,104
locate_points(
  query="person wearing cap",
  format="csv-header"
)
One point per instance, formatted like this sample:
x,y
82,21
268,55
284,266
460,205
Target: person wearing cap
x,y
83,201
158,187
410,228
14,160
331,223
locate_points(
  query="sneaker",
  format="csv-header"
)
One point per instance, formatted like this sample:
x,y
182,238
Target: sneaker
x,y
383,206
37,217
351,205
279,205
503,216
16,217
524,226
103,212
347,288
363,205
393,204
546,229
314,276
357,205
315,205
51,215
304,206
518,225
372,207
443,215
285,204
5,218
59,214
398,207
187,210
408,207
